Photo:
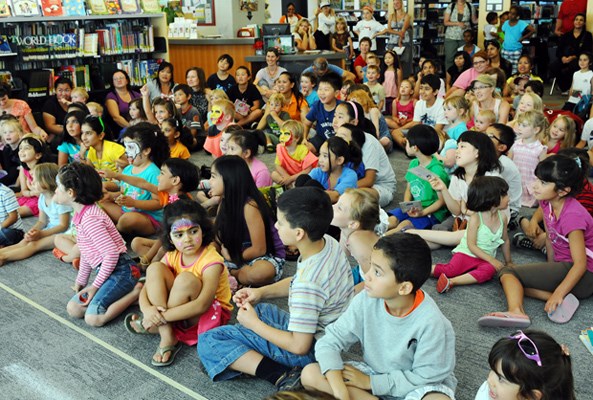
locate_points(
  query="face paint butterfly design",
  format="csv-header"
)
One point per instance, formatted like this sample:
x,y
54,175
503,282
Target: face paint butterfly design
x,y
132,149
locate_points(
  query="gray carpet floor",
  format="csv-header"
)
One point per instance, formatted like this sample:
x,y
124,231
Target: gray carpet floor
x,y
46,355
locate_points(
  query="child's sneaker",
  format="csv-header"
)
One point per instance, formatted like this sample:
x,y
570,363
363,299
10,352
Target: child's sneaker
x,y
521,240
290,380
443,284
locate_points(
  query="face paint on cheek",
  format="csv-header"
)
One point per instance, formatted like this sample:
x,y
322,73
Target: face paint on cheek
x,y
132,149
216,115
286,138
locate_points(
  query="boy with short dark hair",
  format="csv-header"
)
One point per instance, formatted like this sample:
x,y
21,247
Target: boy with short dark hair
x,y
222,79
270,343
422,144
190,116
409,345
322,112
429,110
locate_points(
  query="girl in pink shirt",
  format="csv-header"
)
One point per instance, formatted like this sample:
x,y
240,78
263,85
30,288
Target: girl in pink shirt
x,y
101,248
245,145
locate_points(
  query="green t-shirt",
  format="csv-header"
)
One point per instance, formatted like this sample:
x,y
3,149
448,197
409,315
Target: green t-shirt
x,y
421,189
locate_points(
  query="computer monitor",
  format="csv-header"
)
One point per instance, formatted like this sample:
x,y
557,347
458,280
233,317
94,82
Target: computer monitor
x,y
284,43
275,29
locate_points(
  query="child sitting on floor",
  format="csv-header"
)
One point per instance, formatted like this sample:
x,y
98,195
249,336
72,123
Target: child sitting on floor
x,y
293,158
419,361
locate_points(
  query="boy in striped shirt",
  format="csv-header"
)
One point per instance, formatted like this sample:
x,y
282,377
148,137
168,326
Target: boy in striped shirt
x,y
270,343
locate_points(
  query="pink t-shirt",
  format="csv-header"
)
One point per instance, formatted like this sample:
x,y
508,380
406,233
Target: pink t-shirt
x,y
261,174
466,78
572,217
390,84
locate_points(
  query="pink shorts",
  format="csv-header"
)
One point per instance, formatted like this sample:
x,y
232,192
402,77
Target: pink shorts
x,y
31,203
214,317
461,263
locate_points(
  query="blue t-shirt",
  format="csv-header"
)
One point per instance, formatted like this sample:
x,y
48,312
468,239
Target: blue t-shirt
x,y
324,119
456,131
348,179
53,211
150,175
512,34
72,149
312,97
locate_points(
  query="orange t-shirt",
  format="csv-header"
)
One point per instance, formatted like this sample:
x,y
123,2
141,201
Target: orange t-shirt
x,y
292,108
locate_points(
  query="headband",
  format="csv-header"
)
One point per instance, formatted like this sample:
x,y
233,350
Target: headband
x,y
355,109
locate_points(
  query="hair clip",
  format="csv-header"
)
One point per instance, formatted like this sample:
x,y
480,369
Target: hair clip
x,y
355,109
578,161
565,350
102,124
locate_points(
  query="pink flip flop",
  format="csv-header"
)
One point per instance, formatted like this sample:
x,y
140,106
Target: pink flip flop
x,y
565,310
504,320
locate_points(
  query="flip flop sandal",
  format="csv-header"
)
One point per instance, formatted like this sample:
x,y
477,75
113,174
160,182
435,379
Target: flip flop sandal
x,y
164,350
59,254
443,284
133,324
565,310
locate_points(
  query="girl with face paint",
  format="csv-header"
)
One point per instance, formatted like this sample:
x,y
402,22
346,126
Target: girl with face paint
x,y
187,293
134,209
293,158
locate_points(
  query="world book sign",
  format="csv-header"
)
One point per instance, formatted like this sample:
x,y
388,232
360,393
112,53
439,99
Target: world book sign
x,y
67,40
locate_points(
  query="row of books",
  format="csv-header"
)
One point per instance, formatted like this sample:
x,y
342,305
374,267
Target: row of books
x,y
42,41
59,8
89,76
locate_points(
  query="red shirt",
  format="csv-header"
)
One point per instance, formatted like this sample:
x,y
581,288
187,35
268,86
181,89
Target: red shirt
x,y
359,62
568,10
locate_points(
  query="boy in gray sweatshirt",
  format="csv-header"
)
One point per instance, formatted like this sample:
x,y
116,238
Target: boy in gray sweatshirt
x,y
408,344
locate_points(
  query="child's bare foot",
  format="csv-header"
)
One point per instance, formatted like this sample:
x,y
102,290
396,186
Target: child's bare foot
x,y
165,355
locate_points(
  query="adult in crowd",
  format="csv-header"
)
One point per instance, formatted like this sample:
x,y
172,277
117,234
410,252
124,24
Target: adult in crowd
x,y
524,72
118,99
398,28
162,85
487,98
571,44
461,63
196,80
291,17
296,105
325,21
321,66
459,16
55,109
566,15
480,63
364,45
265,77
20,110
496,60
303,36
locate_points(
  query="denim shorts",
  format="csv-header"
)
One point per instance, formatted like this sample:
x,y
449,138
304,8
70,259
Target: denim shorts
x,y
220,347
416,394
10,236
419,222
121,282
277,262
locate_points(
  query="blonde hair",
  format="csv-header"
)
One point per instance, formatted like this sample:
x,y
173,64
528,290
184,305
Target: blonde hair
x,y
219,93
301,22
458,103
277,98
364,207
535,119
80,91
227,107
371,56
488,115
14,123
45,174
362,97
296,128
98,107
569,137
538,104
342,20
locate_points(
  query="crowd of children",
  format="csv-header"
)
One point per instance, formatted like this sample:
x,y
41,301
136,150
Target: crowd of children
x,y
470,174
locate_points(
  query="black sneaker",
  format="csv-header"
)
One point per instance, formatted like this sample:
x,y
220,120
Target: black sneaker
x,y
290,380
521,240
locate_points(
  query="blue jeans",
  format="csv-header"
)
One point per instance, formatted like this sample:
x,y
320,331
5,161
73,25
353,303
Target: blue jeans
x,y
10,236
220,347
120,282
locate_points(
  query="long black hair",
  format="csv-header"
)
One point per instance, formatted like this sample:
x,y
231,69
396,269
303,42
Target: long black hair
x,y
79,115
239,189
149,136
487,157
162,66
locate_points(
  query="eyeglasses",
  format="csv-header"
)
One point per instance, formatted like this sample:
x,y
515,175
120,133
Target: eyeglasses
x,y
527,347
480,62
482,87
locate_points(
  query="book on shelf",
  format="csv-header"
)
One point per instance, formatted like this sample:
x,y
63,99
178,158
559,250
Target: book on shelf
x,y
97,7
6,78
4,45
74,7
41,83
82,77
150,6
52,8
113,6
130,7
25,8
586,337
4,8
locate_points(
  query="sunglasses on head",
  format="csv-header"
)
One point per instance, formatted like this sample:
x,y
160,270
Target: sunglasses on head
x,y
527,347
